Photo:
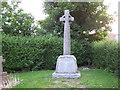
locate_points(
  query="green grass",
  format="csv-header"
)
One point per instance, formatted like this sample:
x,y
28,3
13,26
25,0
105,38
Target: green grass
x,y
89,79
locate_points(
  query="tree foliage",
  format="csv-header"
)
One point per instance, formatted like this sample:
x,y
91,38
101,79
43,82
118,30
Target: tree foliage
x,y
89,16
15,21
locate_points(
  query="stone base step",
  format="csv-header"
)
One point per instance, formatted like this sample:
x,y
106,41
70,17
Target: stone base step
x,y
66,75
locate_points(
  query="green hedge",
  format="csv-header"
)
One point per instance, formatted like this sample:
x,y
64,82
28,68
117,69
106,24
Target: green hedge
x,y
41,52
35,53
106,55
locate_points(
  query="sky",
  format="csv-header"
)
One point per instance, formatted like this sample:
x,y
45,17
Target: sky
x,y
113,7
35,7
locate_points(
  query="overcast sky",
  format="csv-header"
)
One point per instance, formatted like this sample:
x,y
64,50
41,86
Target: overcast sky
x,y
35,7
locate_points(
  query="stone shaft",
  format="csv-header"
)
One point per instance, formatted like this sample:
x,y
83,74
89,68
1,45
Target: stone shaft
x,y
66,18
66,46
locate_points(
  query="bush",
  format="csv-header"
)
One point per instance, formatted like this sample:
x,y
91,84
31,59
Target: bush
x,y
82,51
35,53
30,53
106,55
41,52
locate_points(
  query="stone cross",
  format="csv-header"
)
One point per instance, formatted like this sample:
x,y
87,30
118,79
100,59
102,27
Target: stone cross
x,y
66,66
1,70
66,19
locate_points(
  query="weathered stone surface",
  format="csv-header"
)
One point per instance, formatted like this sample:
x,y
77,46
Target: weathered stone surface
x,y
5,77
1,70
67,18
66,64
66,67
66,75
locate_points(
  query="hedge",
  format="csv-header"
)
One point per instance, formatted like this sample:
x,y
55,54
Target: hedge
x,y
36,53
105,55
41,52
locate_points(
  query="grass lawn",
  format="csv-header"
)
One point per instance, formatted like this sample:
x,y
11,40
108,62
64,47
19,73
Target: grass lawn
x,y
89,79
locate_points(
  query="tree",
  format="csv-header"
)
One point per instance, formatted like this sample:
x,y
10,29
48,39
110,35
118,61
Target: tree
x,y
15,21
89,16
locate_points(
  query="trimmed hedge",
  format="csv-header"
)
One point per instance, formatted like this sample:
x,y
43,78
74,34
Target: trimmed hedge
x,y
41,52
30,53
106,55
36,53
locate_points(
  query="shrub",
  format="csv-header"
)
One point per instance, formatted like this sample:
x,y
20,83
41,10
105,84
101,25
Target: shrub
x,y
106,55
41,52
82,51
30,53
35,53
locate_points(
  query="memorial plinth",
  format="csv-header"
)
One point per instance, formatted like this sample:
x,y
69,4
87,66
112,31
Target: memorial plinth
x,y
66,66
